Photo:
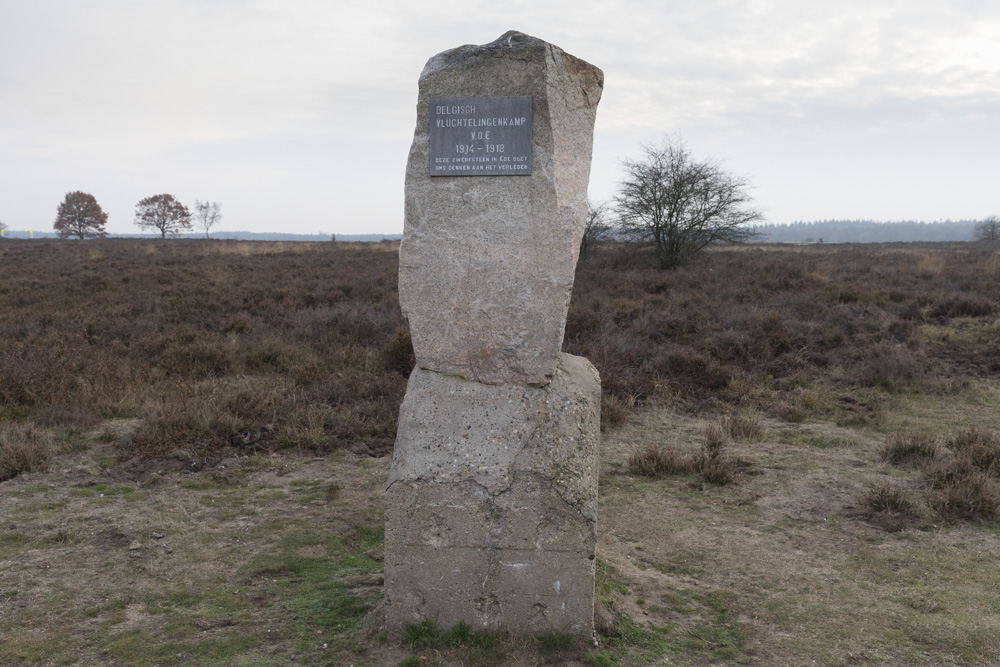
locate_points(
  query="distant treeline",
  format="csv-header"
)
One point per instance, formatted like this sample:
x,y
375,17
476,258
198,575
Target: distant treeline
x,y
238,236
867,231
830,231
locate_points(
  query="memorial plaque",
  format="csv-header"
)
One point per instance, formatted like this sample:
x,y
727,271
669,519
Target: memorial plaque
x,y
480,136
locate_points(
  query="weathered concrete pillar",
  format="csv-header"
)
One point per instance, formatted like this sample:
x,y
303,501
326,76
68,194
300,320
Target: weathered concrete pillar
x,y
491,498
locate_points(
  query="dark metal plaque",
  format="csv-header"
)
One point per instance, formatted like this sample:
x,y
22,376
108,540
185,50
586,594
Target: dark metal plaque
x,y
481,136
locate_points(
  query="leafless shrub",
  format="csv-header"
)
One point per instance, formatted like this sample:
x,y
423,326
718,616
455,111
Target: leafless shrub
x,y
23,448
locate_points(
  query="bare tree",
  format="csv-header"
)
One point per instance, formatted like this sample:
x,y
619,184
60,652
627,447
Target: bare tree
x,y
596,228
988,229
681,205
3,228
163,213
81,216
208,214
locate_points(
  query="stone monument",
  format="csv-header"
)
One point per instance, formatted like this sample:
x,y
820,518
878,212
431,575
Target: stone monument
x,y
492,493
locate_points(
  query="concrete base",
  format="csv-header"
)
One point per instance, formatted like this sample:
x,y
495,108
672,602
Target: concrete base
x,y
491,503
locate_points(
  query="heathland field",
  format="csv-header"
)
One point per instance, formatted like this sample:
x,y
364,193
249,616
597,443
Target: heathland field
x,y
800,457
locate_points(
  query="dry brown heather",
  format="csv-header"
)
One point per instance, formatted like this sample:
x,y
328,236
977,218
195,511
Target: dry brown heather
x,y
800,464
206,342
792,329
304,343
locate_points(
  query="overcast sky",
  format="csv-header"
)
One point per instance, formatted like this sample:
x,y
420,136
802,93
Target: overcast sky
x,y
297,115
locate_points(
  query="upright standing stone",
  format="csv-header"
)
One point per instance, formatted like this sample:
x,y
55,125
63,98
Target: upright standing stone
x,y
486,264
492,493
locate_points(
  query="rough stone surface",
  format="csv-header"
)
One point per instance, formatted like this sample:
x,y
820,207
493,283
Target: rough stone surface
x,y
491,503
487,262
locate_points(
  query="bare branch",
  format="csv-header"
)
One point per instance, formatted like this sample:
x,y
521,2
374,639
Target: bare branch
x,y
681,205
207,214
597,227
988,229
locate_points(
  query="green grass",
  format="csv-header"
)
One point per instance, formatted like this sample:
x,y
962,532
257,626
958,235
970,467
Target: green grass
x,y
12,541
709,627
816,440
305,576
139,647
303,588
554,642
36,488
471,647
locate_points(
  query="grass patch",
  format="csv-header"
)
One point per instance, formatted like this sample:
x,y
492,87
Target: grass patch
x,y
653,461
100,490
138,647
744,426
472,647
712,463
820,441
23,448
308,572
12,541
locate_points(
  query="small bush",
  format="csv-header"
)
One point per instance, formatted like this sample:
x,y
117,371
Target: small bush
x,y
717,470
715,467
909,449
963,491
655,461
950,472
887,506
888,366
399,352
23,448
715,440
973,498
981,447
711,462
614,411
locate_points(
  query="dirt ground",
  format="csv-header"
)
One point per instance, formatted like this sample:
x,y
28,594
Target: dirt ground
x,y
275,559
